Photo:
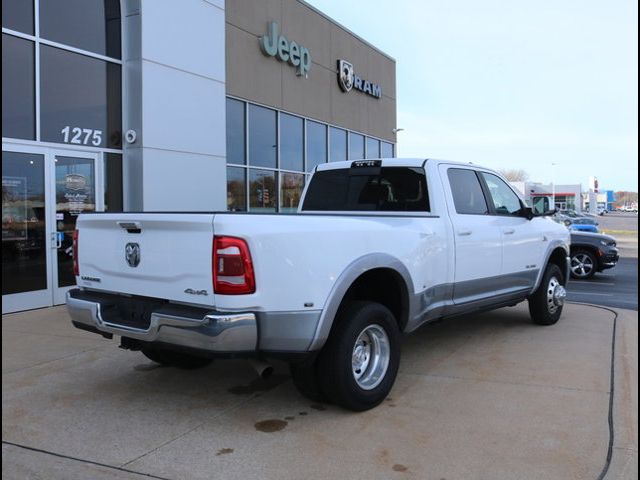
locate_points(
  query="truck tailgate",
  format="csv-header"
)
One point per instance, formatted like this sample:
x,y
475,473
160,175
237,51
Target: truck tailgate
x,y
173,250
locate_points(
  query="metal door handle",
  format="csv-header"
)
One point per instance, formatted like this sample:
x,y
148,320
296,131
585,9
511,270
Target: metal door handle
x,y
56,239
509,231
464,233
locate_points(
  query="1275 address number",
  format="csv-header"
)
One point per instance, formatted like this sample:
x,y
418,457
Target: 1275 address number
x,y
82,136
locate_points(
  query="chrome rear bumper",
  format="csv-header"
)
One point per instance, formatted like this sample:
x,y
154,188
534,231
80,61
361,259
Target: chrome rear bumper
x,y
214,332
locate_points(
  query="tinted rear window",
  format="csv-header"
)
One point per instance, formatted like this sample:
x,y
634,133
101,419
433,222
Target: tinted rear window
x,y
388,189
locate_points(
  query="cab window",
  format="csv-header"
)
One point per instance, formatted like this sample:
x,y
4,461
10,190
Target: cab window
x,y
505,201
468,197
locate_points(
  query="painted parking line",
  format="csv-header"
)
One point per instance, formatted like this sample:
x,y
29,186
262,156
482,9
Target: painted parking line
x,y
590,293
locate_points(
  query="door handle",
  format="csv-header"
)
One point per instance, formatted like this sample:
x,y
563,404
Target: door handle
x,y
509,231
56,239
464,233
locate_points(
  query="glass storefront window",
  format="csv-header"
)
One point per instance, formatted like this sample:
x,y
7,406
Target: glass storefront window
x,y
262,191
17,15
113,199
18,88
291,142
262,137
24,253
274,148
316,144
373,148
356,146
386,150
92,25
236,132
236,189
291,185
338,145
80,99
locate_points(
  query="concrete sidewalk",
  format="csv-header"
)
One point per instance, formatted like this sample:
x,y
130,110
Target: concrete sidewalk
x,y
490,396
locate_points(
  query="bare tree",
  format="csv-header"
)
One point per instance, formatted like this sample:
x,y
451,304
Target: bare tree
x,y
514,174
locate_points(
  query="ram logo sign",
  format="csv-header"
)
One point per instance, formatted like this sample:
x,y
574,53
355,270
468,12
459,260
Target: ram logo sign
x,y
348,80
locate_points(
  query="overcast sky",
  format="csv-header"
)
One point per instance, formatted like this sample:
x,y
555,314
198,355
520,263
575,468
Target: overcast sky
x,y
512,84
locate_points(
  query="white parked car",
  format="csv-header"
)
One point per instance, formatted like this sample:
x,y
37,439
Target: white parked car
x,y
378,248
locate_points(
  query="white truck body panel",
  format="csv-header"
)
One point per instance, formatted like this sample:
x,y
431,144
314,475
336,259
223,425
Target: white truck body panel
x,y
302,261
175,255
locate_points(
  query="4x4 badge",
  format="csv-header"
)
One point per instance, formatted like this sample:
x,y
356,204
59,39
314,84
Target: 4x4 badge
x,y
132,254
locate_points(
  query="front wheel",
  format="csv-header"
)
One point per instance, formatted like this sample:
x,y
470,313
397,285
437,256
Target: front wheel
x,y
545,305
172,358
359,363
583,264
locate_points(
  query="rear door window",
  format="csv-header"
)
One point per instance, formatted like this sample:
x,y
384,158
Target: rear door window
x,y
386,189
468,196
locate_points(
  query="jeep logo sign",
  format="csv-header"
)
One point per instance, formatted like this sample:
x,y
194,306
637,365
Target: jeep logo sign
x,y
274,45
347,79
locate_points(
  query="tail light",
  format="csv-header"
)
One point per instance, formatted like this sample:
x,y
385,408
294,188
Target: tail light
x,y
76,264
232,267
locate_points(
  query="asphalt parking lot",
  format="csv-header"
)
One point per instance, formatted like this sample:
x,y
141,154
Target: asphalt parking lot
x,y
486,396
616,287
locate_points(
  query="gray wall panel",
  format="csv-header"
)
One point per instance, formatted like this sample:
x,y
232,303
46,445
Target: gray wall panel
x,y
174,99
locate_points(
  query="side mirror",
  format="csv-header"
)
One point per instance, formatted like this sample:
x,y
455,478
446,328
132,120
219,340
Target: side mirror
x,y
527,212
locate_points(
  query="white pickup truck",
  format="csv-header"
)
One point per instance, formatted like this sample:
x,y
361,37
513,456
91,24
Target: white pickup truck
x,y
377,248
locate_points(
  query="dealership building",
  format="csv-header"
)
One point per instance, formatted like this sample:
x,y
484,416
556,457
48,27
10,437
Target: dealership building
x,y
160,105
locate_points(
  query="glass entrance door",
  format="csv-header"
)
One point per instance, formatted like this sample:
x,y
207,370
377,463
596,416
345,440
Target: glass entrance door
x,y
43,192
75,192
25,243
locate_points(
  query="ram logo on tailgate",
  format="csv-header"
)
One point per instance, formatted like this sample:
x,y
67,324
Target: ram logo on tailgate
x,y
132,254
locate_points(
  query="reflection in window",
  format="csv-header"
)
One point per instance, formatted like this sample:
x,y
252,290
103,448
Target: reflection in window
x,y
338,145
80,99
75,194
373,148
236,189
316,144
505,200
24,253
92,25
18,88
356,146
235,132
262,191
291,185
291,142
386,150
17,15
113,201
262,137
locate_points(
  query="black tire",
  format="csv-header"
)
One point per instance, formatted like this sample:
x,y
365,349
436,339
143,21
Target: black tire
x,y
305,378
335,370
584,264
541,309
175,359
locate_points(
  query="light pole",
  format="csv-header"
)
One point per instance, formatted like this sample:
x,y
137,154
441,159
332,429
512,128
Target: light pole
x,y
553,185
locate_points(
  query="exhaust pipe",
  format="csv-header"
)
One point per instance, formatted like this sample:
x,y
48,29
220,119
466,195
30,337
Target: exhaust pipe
x,y
263,369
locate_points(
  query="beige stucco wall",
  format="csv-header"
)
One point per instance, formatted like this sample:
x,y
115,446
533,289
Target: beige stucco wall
x,y
254,76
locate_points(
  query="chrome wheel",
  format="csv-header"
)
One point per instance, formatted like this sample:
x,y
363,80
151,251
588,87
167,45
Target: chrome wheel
x,y
556,295
582,265
370,357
